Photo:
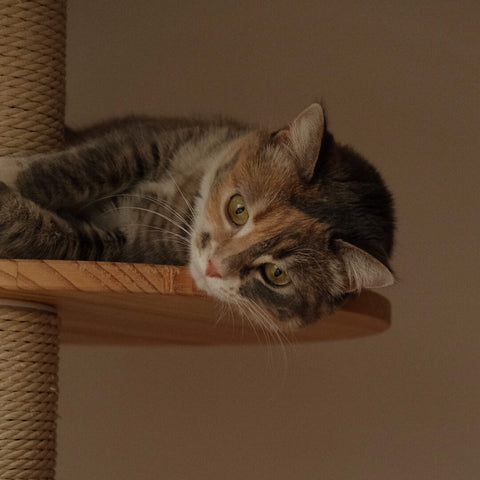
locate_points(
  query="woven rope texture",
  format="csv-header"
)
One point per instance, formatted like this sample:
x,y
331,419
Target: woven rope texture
x,y
32,99
28,393
32,75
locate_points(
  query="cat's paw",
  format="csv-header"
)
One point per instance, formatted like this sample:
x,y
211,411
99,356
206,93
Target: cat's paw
x,y
9,201
10,167
19,222
3,187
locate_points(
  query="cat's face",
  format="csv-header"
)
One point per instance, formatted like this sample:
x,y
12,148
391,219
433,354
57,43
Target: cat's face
x,y
253,248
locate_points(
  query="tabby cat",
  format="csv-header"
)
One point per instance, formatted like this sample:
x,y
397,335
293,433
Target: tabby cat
x,y
285,224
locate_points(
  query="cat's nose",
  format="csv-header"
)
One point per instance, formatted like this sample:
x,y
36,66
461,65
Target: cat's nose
x,y
212,271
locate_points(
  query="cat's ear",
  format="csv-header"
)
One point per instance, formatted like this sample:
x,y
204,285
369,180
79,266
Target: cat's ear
x,y
303,137
363,270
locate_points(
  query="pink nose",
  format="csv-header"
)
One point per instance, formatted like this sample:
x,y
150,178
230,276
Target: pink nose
x,y
212,271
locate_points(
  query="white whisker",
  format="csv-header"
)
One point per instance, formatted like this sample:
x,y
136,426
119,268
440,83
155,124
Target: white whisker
x,y
163,203
153,212
155,228
277,336
160,202
187,203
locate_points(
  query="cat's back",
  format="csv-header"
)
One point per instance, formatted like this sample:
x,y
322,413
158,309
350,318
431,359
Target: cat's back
x,y
185,143
186,128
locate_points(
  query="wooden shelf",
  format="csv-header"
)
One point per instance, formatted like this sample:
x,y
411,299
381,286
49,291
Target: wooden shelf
x,y
124,303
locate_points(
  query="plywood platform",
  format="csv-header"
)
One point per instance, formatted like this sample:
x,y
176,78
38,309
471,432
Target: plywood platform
x,y
122,303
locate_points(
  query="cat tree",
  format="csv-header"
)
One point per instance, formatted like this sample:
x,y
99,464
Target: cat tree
x,y
98,302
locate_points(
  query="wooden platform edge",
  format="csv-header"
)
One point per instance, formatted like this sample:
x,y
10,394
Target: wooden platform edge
x,y
126,303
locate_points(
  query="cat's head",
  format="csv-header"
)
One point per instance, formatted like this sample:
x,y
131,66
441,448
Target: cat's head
x,y
289,223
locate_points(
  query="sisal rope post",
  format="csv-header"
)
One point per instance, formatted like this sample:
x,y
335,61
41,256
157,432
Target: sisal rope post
x,y
28,391
32,75
32,102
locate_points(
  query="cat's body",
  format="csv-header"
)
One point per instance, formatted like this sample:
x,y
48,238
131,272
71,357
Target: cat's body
x,y
282,224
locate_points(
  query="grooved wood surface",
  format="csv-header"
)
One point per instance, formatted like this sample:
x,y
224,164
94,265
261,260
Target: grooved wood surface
x,y
106,302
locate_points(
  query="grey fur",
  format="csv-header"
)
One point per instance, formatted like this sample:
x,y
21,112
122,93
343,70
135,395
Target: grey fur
x,y
109,195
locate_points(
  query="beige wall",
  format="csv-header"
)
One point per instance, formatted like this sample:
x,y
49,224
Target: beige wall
x,y
401,82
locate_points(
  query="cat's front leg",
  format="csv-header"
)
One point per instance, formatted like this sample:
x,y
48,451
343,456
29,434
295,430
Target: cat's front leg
x,y
29,231
95,169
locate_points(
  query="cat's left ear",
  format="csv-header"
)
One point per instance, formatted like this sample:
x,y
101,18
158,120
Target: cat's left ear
x,y
363,270
303,137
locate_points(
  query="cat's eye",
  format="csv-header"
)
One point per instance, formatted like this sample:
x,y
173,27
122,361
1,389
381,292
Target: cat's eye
x,y
275,275
237,210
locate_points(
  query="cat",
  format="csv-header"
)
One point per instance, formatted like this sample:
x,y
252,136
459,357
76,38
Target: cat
x,y
283,224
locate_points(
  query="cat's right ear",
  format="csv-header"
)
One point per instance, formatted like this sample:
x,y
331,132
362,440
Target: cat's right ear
x,y
363,270
303,138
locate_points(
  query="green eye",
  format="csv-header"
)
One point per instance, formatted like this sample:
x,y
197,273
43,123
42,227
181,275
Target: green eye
x,y
275,275
237,210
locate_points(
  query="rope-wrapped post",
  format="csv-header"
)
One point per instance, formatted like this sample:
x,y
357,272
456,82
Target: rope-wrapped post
x,y
32,75
32,103
28,390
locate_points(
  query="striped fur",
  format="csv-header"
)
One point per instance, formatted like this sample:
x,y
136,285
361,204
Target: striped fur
x,y
157,191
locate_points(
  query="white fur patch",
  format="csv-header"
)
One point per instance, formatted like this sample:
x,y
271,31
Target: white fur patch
x,y
10,167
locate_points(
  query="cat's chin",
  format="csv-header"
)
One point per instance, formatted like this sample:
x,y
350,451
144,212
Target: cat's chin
x,y
211,286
